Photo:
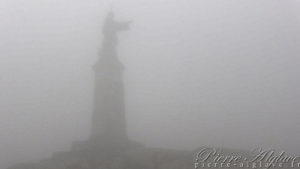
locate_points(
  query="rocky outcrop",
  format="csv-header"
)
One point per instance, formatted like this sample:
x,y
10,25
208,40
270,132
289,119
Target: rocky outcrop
x,y
138,157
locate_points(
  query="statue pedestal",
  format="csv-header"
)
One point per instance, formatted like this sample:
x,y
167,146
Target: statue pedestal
x,y
95,144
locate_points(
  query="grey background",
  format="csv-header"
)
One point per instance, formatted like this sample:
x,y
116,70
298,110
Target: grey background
x,y
198,72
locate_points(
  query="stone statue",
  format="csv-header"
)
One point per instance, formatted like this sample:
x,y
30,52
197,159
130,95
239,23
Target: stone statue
x,y
111,27
108,121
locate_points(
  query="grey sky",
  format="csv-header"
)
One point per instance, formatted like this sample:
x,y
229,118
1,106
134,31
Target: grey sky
x,y
198,72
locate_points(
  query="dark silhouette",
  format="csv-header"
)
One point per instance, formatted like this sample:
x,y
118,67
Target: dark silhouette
x,y
108,121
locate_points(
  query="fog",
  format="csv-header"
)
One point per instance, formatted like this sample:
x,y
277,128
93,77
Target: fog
x,y
219,73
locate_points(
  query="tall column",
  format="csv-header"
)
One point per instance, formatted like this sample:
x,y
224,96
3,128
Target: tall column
x,y
108,120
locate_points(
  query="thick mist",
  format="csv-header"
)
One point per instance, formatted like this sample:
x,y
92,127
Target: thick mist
x,y
221,73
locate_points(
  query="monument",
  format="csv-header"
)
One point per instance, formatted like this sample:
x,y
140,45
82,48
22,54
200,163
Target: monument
x,y
108,119
109,146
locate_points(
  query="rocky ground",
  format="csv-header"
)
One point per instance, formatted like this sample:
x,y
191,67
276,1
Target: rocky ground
x,y
101,157
131,155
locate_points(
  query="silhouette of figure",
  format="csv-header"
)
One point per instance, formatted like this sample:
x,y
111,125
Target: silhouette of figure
x,y
111,27
109,123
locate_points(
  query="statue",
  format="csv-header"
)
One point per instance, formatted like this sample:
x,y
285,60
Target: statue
x,y
111,27
108,121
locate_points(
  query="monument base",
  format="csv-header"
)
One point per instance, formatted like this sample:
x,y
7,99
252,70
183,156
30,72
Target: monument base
x,y
91,155
101,144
